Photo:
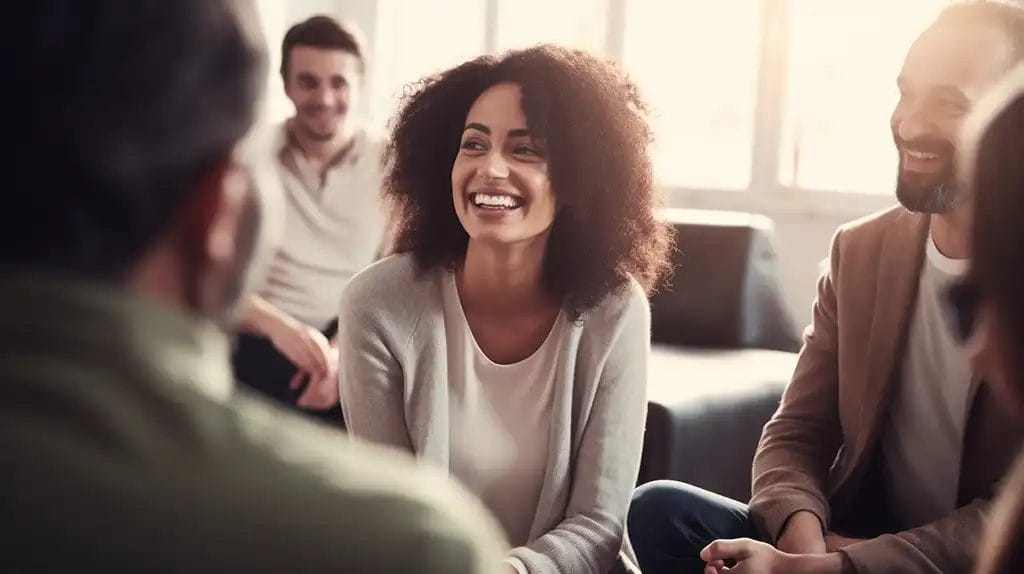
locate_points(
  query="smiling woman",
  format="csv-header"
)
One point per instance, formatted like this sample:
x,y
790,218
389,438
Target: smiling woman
x,y
513,347
579,120
500,183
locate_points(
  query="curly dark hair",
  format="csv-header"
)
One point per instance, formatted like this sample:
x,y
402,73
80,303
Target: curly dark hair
x,y
593,122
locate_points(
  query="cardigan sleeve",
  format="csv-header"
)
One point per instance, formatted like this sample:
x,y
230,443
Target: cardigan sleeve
x,y
605,469
370,376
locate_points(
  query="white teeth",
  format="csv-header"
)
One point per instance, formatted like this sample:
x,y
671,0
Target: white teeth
x,y
492,200
922,155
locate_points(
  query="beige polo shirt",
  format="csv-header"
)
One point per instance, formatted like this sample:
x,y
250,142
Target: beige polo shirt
x,y
334,227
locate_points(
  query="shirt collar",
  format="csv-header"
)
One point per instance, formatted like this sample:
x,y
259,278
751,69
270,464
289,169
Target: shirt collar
x,y
287,144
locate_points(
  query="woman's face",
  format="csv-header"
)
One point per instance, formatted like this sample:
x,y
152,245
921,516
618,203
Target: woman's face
x,y
500,184
990,349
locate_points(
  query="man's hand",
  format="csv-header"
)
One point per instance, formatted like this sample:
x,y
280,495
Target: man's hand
x,y
802,535
321,394
301,344
834,542
315,361
752,557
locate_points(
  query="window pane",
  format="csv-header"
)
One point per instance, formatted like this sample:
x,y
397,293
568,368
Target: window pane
x,y
575,23
841,89
421,37
275,106
696,63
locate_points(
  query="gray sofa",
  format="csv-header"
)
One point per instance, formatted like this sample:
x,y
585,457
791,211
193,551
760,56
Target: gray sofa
x,y
724,347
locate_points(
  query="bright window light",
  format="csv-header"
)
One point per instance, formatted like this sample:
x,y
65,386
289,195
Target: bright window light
x,y
844,58
696,63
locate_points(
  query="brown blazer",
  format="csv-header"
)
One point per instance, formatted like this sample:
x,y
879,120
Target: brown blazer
x,y
818,447
1003,549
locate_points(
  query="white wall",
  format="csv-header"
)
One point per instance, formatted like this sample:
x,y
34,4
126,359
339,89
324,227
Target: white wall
x,y
802,242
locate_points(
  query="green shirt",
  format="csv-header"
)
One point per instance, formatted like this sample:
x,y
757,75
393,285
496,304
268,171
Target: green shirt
x,y
123,447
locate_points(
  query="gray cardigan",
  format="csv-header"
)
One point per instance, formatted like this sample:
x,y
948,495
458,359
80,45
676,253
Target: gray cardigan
x,y
394,390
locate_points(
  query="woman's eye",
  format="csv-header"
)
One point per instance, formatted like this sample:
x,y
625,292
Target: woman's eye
x,y
472,145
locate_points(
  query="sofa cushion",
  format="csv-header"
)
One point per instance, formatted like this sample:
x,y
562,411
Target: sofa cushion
x,y
706,410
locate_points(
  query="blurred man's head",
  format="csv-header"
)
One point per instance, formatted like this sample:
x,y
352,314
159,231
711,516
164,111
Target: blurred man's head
x,y
949,67
127,126
322,65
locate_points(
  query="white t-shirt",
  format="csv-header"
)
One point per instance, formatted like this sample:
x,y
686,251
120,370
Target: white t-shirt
x,y
923,441
333,228
500,419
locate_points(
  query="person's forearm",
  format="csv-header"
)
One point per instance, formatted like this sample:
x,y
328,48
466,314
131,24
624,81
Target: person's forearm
x,y
802,534
944,545
258,315
834,563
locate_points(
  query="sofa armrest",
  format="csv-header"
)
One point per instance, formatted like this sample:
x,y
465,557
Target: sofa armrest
x,y
725,290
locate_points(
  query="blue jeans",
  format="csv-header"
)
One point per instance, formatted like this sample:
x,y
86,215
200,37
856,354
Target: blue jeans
x,y
670,522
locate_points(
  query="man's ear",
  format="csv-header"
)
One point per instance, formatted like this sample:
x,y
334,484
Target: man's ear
x,y
211,216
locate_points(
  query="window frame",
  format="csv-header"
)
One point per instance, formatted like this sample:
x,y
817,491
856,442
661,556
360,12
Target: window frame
x,y
765,193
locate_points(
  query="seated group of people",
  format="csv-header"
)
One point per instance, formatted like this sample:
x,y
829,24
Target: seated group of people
x,y
492,258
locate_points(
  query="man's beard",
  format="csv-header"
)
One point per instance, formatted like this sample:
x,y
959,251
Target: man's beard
x,y
307,125
932,199
938,193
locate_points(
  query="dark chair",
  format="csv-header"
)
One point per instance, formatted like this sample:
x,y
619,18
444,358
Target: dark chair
x,y
724,348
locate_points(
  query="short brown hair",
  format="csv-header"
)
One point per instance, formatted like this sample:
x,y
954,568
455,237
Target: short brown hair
x,y
593,122
326,33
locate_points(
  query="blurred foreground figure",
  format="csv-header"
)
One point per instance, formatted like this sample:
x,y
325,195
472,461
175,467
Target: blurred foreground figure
x,y
988,303
119,447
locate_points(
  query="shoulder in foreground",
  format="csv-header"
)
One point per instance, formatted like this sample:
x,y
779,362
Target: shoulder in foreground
x,y
628,300
373,141
393,281
880,221
372,134
409,513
